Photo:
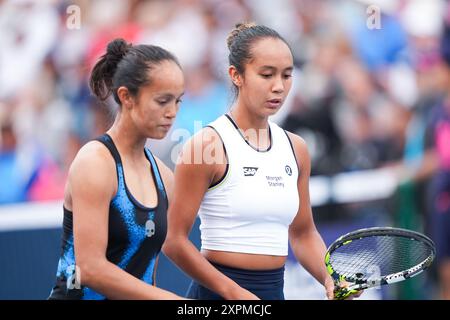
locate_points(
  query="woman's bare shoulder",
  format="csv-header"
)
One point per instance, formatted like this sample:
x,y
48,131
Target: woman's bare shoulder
x,y
93,165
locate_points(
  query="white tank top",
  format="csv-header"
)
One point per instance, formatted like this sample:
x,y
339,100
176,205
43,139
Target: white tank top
x,y
250,210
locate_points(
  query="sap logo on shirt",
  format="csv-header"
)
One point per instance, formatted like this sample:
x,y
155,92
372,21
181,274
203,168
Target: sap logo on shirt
x,y
250,171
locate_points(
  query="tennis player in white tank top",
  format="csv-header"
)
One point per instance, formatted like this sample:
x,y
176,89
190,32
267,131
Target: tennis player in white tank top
x,y
248,180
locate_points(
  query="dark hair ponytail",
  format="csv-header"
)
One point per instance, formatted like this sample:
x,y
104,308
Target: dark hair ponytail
x,y
125,65
101,81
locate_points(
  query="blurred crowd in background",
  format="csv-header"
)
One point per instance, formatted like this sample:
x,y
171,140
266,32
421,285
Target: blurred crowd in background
x,y
363,96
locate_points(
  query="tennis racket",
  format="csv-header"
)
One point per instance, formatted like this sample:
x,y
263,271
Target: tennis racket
x,y
373,257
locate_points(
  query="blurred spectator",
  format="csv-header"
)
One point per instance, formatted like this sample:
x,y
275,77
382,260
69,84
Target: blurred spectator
x,y
183,32
13,182
440,193
440,184
28,30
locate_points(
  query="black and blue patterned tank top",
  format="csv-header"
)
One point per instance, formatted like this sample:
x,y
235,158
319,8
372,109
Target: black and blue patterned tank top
x,y
135,234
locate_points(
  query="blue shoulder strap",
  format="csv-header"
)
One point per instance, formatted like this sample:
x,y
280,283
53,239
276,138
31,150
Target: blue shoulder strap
x,y
156,172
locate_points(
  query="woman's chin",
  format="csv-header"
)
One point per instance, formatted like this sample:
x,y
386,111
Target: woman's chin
x,y
157,135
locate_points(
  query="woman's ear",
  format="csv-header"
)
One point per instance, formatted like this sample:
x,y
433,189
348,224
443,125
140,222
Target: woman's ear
x,y
235,76
126,100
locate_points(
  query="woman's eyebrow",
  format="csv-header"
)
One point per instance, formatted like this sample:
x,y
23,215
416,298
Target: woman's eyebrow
x,y
165,95
169,95
272,68
268,67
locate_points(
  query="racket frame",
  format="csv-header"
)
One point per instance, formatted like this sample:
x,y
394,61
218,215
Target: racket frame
x,y
358,284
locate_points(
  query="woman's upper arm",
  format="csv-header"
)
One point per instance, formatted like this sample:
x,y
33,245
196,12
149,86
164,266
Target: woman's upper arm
x,y
92,185
303,220
192,178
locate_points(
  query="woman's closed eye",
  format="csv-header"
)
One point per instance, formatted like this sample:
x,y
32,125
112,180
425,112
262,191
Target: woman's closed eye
x,y
268,76
168,98
163,102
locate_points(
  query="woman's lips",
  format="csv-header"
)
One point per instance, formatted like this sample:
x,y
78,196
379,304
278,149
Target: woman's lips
x,y
274,103
166,126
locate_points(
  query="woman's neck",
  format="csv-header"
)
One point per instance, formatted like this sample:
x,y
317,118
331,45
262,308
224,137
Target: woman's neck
x,y
254,129
245,120
126,138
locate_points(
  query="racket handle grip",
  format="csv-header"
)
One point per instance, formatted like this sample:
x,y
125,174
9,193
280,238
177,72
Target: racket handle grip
x,y
343,293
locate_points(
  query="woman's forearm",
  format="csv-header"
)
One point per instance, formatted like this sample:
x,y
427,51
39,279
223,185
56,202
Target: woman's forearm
x,y
184,254
115,283
309,249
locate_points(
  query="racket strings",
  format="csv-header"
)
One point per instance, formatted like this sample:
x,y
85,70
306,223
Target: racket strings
x,y
377,256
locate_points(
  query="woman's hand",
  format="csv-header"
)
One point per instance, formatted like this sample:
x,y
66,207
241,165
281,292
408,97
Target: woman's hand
x,y
330,288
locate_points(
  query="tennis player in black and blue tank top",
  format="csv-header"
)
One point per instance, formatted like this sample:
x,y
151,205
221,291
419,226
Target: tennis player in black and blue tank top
x,y
115,206
136,233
